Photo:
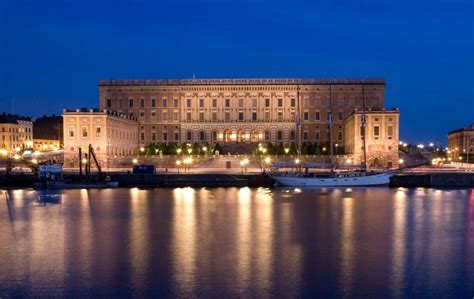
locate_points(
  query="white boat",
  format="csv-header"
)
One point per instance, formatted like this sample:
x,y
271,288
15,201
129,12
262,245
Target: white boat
x,y
349,179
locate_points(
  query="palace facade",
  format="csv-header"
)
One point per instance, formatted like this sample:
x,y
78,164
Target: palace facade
x,y
240,110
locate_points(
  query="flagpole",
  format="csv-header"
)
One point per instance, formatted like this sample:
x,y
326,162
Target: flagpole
x,y
330,128
364,166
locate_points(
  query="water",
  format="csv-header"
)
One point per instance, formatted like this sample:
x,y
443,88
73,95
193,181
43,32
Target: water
x,y
185,242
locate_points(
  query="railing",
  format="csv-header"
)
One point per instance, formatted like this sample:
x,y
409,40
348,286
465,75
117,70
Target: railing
x,y
263,81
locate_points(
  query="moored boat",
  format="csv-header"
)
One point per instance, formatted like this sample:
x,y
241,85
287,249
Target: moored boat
x,y
349,179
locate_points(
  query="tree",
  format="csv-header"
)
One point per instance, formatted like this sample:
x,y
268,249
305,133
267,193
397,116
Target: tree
x,y
304,148
163,149
293,149
196,149
270,149
280,149
172,147
316,149
217,148
184,148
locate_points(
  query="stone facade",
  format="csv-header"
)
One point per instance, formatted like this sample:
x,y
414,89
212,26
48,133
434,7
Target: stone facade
x,y
461,142
381,133
16,134
239,110
112,135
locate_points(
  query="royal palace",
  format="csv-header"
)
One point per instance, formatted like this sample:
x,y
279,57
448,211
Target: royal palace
x,y
250,111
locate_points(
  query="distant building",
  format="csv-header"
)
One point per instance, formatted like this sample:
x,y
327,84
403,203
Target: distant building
x,y
461,142
111,135
48,133
16,133
381,133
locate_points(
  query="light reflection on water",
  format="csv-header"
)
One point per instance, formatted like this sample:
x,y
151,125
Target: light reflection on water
x,y
238,242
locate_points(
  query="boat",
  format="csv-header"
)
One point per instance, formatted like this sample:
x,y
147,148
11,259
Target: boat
x,y
344,179
359,177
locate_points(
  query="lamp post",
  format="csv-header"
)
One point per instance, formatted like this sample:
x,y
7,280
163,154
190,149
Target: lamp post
x,y
178,163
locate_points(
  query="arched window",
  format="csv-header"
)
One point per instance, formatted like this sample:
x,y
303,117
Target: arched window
x,y
109,103
202,136
189,136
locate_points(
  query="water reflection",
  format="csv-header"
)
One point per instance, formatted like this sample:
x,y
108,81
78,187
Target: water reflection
x,y
234,242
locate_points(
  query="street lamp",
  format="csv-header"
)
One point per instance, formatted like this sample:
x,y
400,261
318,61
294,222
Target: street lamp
x,y
178,151
142,149
178,163
336,145
287,150
243,164
134,160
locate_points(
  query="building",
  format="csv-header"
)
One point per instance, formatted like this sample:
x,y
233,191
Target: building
x,y
112,135
240,110
461,143
381,137
16,133
48,133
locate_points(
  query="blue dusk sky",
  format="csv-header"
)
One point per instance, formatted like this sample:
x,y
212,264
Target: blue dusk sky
x,y
53,53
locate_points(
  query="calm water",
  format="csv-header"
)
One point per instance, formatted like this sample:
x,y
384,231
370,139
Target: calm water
x,y
245,242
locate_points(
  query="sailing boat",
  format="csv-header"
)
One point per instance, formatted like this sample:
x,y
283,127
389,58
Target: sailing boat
x,y
337,179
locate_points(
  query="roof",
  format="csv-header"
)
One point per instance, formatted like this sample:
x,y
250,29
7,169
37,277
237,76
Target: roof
x,y
12,118
244,81
468,128
86,111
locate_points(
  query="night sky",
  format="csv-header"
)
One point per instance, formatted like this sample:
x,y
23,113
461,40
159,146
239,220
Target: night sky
x,y
53,53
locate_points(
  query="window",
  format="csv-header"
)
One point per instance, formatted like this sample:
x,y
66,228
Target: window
x,y
280,102
214,136
267,102
317,116
201,116
241,116
130,103
175,103
189,136
227,103
175,116
214,103
153,115
109,103
267,135
142,114
292,116
188,116
267,116
254,116
153,136
165,103
214,116
165,136
71,132
376,131
390,132
254,103
227,116
188,103
339,115
305,136
318,135
280,116
339,135
142,103
280,135
305,115
153,102
176,136
142,136
165,116
84,132
241,103
292,135
97,132
202,136
201,103
293,102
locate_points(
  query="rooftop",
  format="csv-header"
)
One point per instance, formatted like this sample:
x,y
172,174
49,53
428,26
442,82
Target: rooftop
x,y
248,81
7,118
97,111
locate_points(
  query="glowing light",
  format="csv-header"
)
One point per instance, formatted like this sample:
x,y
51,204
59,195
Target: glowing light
x,y
16,157
135,161
297,161
142,149
348,161
178,151
401,161
268,160
178,162
287,150
34,161
84,161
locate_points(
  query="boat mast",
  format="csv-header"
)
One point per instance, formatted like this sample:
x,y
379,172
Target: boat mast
x,y
363,122
330,127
